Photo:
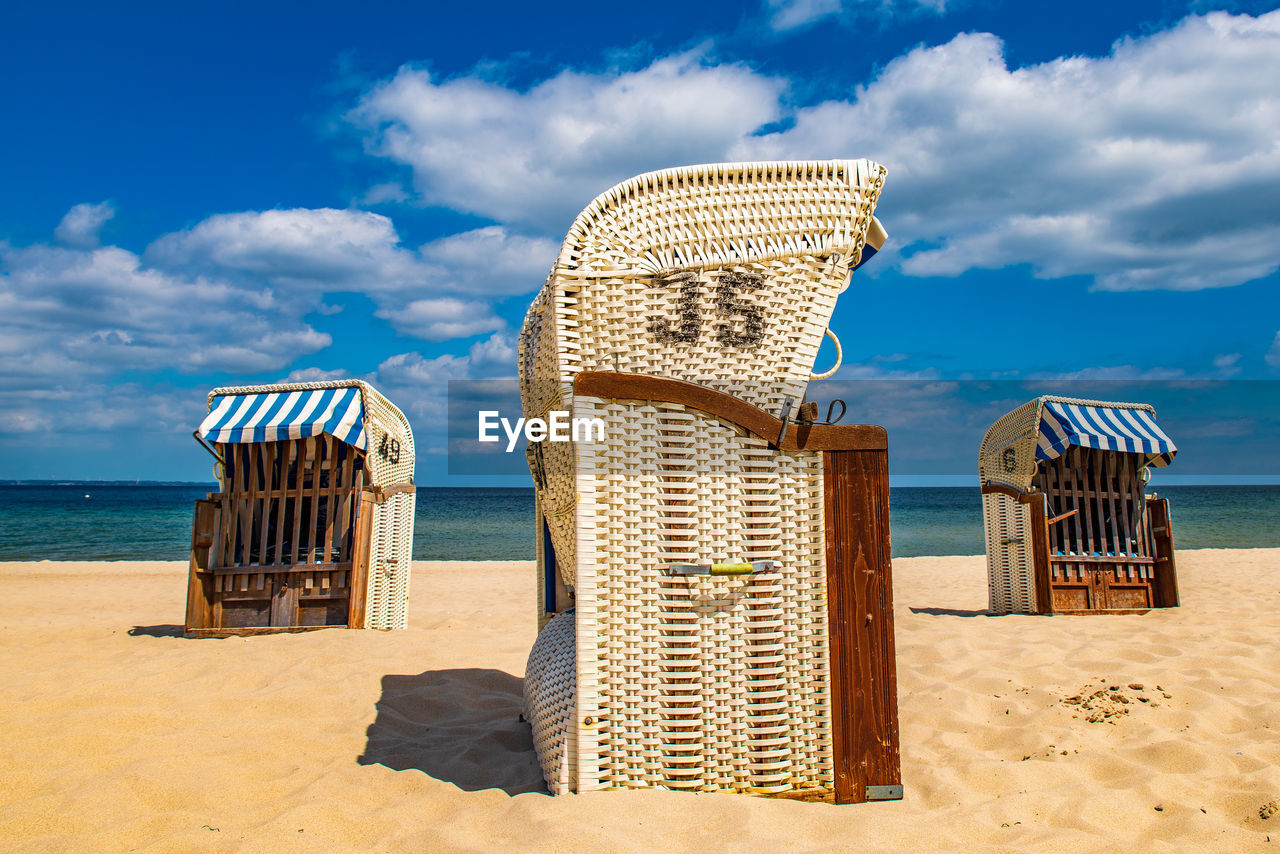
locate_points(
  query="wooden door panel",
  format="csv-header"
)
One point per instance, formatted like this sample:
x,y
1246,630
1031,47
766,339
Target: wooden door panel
x,y
245,613
1128,596
1070,597
322,612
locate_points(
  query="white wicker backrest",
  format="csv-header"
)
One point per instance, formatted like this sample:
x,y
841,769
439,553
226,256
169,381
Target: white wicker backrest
x,y
1007,456
725,275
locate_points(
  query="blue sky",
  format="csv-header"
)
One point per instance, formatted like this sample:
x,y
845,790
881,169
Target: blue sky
x,y
248,193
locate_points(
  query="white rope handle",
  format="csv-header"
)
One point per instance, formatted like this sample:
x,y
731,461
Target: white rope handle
x,y
839,358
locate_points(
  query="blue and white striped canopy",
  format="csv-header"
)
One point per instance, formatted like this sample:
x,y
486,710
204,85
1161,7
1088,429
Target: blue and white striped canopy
x,y
1108,428
273,416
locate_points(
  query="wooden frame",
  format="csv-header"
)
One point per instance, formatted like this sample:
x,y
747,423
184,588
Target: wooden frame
x,y
863,673
285,545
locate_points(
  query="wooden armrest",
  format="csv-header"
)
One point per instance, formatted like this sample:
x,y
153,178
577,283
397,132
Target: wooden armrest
x,y
611,385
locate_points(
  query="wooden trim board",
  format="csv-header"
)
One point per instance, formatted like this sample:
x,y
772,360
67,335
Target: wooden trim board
x,y
610,385
864,681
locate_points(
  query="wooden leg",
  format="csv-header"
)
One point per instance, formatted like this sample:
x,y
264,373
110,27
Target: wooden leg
x,y
1040,557
1165,583
204,528
864,690
361,543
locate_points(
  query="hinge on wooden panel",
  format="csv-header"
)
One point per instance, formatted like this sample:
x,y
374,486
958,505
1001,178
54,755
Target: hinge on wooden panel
x,y
884,793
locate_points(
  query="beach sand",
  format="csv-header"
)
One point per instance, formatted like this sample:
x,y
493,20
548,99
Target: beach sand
x,y
121,735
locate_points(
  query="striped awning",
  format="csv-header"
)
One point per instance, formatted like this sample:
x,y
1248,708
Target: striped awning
x,y
273,416
1108,428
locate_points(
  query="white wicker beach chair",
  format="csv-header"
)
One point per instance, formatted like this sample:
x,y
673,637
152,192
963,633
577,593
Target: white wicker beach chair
x,y
1069,528
685,311
313,523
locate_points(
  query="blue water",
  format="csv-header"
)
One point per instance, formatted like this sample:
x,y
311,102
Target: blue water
x,y
154,522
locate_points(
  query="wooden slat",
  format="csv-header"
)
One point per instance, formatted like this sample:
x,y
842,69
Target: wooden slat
x,y
268,482
864,693
1106,468
1040,567
280,570
246,504
1079,486
361,541
286,453
332,466
298,492
251,631
344,504
1165,584
314,493
200,593
1107,559
1126,507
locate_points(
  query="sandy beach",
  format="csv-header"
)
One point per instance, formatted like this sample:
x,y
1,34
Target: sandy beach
x,y
121,735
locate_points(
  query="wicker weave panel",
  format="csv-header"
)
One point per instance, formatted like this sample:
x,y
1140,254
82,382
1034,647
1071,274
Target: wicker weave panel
x,y
753,255
698,682
1010,569
781,236
550,680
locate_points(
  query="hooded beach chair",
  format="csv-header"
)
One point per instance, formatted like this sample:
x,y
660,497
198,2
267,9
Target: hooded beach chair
x,y
1069,526
714,594
312,525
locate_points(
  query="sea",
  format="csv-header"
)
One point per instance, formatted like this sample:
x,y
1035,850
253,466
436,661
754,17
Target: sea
x,y
97,521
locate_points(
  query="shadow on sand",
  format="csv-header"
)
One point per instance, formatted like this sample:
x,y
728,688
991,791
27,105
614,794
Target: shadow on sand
x,y
460,726
951,612
161,631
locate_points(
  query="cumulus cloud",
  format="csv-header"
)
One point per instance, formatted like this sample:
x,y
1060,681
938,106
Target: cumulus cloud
x,y
306,251
80,227
1273,355
230,294
538,156
491,260
1154,167
73,313
301,248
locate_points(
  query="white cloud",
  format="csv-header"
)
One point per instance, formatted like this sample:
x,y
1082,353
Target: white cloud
x,y
80,227
443,318
1228,364
791,14
304,252
380,194
785,15
1154,167
538,157
491,261
1273,355
317,375
93,407
419,385
298,248
67,314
